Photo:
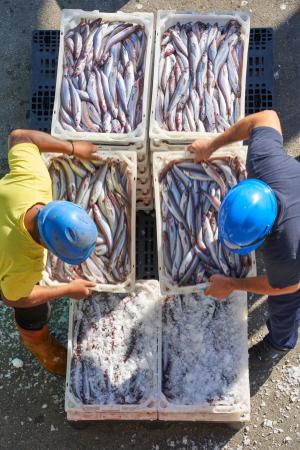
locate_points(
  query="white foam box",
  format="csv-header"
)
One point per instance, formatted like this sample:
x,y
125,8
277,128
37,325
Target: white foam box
x,y
105,409
131,160
136,139
161,139
160,160
203,360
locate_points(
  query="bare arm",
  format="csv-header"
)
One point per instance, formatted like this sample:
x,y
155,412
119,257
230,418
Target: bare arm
x,y
241,131
222,287
47,143
77,289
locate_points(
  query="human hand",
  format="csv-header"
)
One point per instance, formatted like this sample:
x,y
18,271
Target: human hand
x,y
86,151
202,149
80,289
220,287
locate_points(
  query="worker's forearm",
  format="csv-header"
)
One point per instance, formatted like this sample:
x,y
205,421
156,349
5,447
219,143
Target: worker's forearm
x,y
40,295
242,129
45,142
238,132
259,285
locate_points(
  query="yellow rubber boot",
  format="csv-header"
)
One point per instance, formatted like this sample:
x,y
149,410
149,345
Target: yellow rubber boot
x,y
47,350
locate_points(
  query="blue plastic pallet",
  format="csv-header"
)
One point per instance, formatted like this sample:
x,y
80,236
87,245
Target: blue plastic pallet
x,y
259,85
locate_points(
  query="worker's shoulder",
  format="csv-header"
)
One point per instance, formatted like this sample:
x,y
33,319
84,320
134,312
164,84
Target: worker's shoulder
x,y
18,136
267,133
20,148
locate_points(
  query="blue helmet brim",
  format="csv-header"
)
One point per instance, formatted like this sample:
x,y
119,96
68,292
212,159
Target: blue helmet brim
x,y
76,262
244,250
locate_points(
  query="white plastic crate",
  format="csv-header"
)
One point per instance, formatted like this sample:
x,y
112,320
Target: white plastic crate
x,y
131,160
160,160
144,177
209,352
161,139
136,139
147,409
205,317
146,205
143,165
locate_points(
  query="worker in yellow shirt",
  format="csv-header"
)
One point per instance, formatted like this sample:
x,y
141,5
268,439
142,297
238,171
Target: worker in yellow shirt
x,y
30,223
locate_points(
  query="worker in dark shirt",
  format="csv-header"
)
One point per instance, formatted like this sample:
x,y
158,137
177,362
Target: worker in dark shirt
x,y
263,211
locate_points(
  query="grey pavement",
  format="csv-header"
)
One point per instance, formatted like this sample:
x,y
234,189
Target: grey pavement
x,y
31,400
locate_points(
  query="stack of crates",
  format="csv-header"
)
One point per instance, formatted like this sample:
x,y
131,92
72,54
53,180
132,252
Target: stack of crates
x,y
136,140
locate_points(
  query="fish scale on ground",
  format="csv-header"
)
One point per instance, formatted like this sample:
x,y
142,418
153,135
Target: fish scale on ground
x,y
103,76
205,61
103,189
190,246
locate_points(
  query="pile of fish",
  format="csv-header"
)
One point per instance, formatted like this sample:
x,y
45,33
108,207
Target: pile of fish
x,y
114,349
103,189
191,195
200,77
103,77
204,350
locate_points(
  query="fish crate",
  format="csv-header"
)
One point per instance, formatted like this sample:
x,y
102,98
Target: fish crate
x,y
161,139
130,159
133,140
112,370
203,359
161,160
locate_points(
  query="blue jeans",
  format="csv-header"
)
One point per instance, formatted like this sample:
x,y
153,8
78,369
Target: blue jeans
x,y
284,319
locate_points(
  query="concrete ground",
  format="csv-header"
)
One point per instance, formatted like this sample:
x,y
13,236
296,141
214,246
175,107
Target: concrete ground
x,y
32,401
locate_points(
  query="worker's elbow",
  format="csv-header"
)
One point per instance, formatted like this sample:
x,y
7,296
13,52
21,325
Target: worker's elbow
x,y
271,114
294,288
11,303
18,136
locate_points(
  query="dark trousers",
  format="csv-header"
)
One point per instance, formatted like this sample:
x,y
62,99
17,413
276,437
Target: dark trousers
x,y
284,319
33,318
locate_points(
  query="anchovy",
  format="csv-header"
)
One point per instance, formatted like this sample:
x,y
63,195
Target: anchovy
x,y
102,63
86,184
198,94
191,194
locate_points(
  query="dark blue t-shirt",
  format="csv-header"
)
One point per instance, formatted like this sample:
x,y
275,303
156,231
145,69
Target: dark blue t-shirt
x,y
268,161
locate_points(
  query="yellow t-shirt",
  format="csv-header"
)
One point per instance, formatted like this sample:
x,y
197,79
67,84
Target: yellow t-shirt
x,y
21,258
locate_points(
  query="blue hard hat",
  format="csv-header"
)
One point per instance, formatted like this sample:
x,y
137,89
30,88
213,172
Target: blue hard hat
x,y
246,216
67,231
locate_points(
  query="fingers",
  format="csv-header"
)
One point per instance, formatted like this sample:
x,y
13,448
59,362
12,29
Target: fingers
x,y
190,148
96,156
90,283
207,291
